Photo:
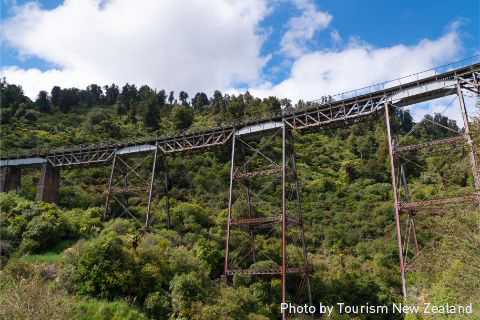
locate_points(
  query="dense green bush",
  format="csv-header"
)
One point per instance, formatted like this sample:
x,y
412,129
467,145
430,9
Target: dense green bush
x,y
84,223
187,289
31,226
189,217
101,267
44,230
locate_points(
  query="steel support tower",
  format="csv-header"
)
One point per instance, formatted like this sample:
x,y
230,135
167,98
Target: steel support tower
x,y
259,164
136,181
457,142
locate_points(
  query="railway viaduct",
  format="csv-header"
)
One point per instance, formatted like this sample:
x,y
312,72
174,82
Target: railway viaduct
x,y
342,110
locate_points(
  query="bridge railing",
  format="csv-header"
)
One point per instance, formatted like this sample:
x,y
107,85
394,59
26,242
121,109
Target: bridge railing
x,y
43,151
403,80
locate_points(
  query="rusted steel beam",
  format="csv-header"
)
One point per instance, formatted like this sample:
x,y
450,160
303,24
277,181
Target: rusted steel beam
x,y
468,138
306,277
242,176
151,190
431,144
395,199
263,220
276,271
229,218
284,218
469,199
411,213
135,189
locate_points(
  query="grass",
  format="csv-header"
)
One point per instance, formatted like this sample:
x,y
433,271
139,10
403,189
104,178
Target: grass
x,y
53,255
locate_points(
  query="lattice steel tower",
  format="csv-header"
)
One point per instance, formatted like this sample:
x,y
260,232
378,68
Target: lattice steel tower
x,y
264,210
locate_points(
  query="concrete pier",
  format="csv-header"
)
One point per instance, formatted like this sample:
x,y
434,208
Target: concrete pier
x,y
49,183
10,179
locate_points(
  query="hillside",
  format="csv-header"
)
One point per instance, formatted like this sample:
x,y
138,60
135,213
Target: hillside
x,y
63,261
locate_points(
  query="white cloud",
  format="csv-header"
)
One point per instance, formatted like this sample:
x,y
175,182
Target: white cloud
x,y
358,65
177,45
301,29
448,106
202,45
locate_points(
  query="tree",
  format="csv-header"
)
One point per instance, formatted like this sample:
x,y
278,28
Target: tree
x,y
406,120
161,98
129,94
96,93
236,107
145,93
11,94
150,115
218,103
68,98
186,289
183,96
271,104
102,267
200,101
182,117
171,97
42,102
55,94
111,94
286,104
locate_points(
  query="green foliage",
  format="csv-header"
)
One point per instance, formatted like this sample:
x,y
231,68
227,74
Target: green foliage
x,y
52,255
43,230
235,303
157,305
101,310
182,117
102,267
32,299
189,217
186,290
346,198
84,223
31,227
35,299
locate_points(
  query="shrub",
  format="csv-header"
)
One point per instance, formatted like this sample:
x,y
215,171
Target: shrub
x,y
120,226
157,305
102,310
189,217
33,299
186,289
102,267
44,230
84,223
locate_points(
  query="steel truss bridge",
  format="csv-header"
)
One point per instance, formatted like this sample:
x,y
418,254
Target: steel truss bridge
x,y
342,110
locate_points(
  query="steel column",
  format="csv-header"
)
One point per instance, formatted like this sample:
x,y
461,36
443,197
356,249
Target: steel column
x,y
167,194
300,222
284,220
232,165
152,182
473,160
411,212
395,198
249,208
109,186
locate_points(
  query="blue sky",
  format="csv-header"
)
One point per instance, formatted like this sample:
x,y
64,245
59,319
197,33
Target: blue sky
x,y
386,23
300,49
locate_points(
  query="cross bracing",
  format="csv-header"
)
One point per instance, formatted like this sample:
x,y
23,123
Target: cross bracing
x,y
340,110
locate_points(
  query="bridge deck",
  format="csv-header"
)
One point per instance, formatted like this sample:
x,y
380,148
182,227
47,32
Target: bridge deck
x,y
349,109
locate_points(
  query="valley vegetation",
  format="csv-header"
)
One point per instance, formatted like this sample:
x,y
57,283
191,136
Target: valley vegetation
x,y
62,261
